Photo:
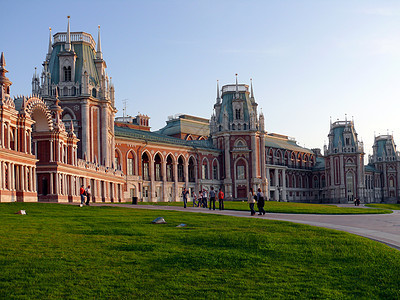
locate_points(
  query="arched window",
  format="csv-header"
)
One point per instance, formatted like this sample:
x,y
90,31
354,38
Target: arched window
x,y
65,91
192,177
215,170
181,177
170,172
145,166
204,169
67,73
157,167
73,91
241,170
237,114
130,163
94,92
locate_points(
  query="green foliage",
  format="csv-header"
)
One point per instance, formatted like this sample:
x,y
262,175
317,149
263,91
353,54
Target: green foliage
x,y
64,251
290,208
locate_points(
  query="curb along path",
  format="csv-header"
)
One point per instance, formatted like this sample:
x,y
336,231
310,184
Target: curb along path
x,y
384,228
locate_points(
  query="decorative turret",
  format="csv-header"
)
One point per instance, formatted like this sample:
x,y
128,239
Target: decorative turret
x,y
234,109
4,81
384,149
343,138
35,83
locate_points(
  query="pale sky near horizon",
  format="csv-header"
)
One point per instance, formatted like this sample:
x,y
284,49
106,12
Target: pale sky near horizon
x,y
309,60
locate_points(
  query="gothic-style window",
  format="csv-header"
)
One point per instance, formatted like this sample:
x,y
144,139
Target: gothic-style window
x,y
157,167
130,163
67,74
170,171
347,141
240,171
220,128
244,126
204,169
94,92
233,127
237,114
191,170
181,177
145,166
215,170
73,91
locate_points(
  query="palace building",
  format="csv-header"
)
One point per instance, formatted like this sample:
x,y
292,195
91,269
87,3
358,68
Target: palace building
x,y
66,134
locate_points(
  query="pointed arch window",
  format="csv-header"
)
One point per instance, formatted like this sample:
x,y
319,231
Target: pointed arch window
x,y
67,74
237,114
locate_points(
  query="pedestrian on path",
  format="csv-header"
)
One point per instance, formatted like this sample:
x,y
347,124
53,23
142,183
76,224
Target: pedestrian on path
x,y
221,199
87,191
212,198
251,201
184,196
82,194
204,198
260,202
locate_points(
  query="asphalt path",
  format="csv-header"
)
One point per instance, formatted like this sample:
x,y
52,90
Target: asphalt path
x,y
383,228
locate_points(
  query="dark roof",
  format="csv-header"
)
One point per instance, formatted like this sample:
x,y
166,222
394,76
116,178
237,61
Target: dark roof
x,y
161,138
319,164
283,143
370,168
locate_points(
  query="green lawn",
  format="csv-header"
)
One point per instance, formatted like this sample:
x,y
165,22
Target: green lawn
x,y
64,251
288,207
385,206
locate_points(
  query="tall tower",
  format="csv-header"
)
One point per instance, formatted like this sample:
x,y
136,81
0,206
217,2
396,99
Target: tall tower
x,y
344,163
237,130
386,160
75,70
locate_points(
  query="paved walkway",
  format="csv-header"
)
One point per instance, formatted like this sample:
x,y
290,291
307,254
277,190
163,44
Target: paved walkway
x,y
384,228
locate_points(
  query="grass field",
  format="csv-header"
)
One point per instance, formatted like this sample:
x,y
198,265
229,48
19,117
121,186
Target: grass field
x,y
385,206
289,208
64,251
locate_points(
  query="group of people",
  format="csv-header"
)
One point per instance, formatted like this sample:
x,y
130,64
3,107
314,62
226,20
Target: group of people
x,y
203,198
258,198
357,201
84,193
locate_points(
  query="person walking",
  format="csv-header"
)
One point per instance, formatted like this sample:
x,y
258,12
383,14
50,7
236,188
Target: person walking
x,y
212,198
260,202
205,198
82,194
184,195
88,195
221,199
251,201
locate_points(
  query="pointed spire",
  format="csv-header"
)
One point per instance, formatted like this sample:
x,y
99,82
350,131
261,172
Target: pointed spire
x,y
2,61
99,55
237,87
71,127
218,97
50,45
68,42
251,88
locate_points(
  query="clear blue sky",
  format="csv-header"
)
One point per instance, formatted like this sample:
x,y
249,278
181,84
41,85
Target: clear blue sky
x,y
309,60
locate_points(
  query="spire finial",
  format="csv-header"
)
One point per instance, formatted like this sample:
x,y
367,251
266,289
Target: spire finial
x,y
68,43
99,55
251,88
237,87
50,44
71,127
2,60
218,97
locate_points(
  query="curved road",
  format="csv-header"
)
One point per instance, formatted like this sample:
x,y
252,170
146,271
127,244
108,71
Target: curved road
x,y
384,228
